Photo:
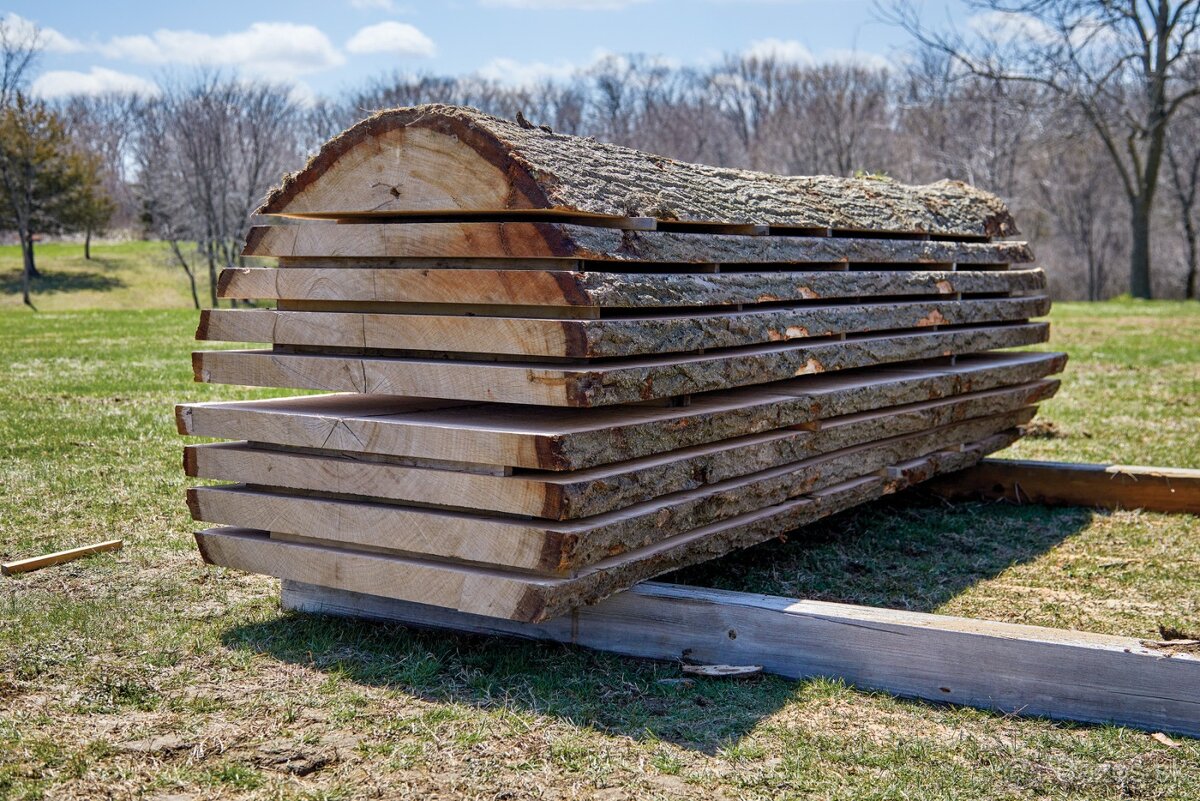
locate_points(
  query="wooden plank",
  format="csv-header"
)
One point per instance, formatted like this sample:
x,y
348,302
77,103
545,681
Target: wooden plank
x,y
487,591
566,289
1030,671
580,493
58,558
572,439
627,336
443,159
598,384
1109,486
567,546
555,240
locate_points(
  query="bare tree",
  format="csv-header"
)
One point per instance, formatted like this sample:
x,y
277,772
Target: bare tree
x,y
1119,62
20,46
1183,160
209,150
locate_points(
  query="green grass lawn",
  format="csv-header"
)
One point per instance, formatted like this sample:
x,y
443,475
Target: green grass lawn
x,y
144,674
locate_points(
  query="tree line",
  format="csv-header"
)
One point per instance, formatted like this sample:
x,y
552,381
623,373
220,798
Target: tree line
x,y
1088,126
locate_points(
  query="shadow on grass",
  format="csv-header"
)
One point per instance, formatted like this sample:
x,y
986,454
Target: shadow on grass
x,y
589,689
914,552
53,282
911,551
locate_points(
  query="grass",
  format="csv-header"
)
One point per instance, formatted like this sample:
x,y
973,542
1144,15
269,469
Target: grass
x,y
143,674
120,275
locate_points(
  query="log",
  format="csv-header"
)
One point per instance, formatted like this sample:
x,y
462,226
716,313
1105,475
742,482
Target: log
x,y
517,596
437,158
1031,671
561,338
1108,486
564,288
598,384
517,240
567,547
571,439
580,493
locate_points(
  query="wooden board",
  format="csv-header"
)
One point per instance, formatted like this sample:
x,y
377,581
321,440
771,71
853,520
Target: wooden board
x,y
520,240
565,288
1110,486
626,336
59,557
569,546
580,493
1030,671
598,384
439,158
573,439
488,591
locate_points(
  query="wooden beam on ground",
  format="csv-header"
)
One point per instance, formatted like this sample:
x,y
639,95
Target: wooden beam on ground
x,y
50,559
1109,486
1014,669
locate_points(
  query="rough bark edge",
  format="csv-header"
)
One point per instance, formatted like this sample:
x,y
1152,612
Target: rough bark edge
x,y
484,134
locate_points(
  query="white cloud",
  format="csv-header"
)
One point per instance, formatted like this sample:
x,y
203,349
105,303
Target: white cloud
x,y
528,73
857,58
1003,27
272,49
51,40
780,50
373,5
563,5
398,38
62,83
791,51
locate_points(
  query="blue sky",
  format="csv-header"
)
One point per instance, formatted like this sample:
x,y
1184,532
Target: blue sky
x,y
333,45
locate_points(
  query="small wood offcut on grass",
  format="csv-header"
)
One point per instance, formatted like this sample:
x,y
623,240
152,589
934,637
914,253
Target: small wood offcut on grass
x,y
144,674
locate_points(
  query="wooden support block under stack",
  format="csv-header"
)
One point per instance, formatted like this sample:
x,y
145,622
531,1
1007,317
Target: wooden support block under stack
x,y
563,367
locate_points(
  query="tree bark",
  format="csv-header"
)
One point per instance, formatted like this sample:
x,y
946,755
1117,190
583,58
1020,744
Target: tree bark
x,y
1193,259
87,243
187,269
1139,255
212,274
25,275
29,269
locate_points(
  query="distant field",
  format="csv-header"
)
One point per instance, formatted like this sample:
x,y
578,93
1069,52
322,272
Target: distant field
x,y
120,275
144,674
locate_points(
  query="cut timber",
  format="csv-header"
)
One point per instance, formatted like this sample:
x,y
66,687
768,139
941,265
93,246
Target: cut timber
x,y
58,558
436,158
566,547
554,240
1030,671
496,593
572,439
564,288
567,495
627,336
599,384
1111,486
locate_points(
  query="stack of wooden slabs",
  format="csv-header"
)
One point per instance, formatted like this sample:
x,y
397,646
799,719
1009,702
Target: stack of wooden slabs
x,y
562,367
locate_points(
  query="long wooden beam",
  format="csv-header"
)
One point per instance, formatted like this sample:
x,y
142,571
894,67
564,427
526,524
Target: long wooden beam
x,y
58,557
1015,669
1109,486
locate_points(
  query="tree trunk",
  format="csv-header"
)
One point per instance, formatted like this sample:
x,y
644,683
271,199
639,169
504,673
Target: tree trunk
x,y
1139,255
28,271
87,243
212,274
1190,234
